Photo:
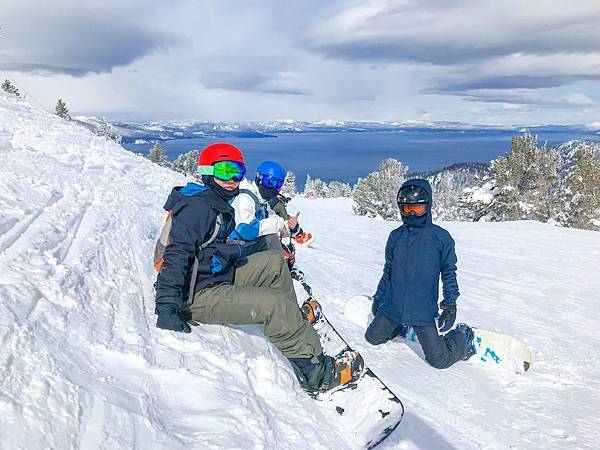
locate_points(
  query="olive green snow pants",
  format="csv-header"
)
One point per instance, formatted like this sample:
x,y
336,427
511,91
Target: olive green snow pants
x,y
262,292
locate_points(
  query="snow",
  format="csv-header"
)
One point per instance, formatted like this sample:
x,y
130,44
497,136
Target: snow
x,y
83,366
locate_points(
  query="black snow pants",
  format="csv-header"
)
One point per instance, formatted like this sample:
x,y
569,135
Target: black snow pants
x,y
440,351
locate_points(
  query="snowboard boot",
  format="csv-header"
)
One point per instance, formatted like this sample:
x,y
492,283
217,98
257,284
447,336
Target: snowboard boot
x,y
310,375
304,238
345,368
311,311
328,373
470,349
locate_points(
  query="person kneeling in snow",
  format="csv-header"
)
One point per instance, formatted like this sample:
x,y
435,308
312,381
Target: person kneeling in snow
x,y
228,282
416,255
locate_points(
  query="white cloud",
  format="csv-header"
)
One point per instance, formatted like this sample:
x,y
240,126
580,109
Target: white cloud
x,y
496,61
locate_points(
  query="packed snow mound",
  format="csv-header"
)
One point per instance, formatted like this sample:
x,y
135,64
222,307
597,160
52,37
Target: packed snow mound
x,y
83,366
81,362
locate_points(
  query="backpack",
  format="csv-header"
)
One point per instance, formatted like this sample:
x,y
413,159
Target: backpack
x,y
163,240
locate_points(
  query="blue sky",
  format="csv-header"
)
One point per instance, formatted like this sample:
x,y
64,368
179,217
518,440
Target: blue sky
x,y
487,62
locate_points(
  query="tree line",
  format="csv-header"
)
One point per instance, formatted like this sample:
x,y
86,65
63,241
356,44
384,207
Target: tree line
x,y
532,182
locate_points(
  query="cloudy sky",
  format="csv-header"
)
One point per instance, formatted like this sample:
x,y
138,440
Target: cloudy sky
x,y
476,61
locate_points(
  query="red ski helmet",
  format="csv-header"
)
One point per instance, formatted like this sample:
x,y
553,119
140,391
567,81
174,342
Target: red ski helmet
x,y
219,151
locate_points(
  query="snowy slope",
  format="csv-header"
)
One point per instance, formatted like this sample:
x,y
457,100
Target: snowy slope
x,y
82,365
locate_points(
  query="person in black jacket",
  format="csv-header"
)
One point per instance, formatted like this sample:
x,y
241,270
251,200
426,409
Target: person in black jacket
x,y
234,284
417,255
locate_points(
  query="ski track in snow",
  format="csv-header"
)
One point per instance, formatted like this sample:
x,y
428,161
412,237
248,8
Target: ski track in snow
x,y
83,366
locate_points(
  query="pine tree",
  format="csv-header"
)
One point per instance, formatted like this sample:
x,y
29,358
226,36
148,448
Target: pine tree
x,y
104,128
319,188
289,188
338,189
158,155
10,88
376,195
448,186
187,163
526,181
584,186
309,190
61,110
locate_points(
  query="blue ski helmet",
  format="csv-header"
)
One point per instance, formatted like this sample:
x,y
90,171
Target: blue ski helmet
x,y
271,175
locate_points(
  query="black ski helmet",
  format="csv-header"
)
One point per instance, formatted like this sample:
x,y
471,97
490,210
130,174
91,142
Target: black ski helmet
x,y
412,195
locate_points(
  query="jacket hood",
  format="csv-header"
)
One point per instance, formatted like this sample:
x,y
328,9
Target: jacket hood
x,y
423,184
178,193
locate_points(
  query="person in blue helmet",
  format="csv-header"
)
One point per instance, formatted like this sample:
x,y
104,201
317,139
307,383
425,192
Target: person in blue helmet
x,y
255,216
260,211
262,218
417,255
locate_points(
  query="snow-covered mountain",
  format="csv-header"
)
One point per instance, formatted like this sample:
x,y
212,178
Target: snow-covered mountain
x,y
83,366
156,131
448,185
568,149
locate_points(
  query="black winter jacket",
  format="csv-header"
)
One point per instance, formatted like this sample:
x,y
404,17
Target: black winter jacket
x,y
195,211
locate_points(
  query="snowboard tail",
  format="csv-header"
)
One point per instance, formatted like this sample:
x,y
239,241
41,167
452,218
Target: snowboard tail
x,y
501,349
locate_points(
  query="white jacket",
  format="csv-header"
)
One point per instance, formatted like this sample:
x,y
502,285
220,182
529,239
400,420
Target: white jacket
x,y
248,226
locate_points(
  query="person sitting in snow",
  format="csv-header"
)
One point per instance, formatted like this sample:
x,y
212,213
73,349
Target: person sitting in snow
x,y
261,214
234,284
258,211
417,254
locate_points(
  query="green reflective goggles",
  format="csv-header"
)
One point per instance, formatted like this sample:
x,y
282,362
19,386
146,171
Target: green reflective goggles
x,y
224,170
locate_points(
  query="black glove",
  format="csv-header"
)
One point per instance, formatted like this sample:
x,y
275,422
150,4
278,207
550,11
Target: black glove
x,y
375,305
171,318
447,318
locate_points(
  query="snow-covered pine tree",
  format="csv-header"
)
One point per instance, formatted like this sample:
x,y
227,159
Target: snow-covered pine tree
x,y
289,188
10,88
584,190
158,155
338,189
320,188
187,163
61,110
104,128
525,182
309,187
315,187
448,185
376,195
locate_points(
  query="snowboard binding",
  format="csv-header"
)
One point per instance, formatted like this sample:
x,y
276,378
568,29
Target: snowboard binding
x,y
348,367
311,311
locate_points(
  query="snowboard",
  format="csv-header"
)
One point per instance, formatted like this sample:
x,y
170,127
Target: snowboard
x,y
493,349
367,410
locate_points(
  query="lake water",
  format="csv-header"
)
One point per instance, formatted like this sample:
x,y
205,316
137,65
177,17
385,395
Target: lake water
x,y
346,156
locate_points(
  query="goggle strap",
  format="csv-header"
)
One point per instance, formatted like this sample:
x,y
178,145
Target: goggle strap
x,y
206,170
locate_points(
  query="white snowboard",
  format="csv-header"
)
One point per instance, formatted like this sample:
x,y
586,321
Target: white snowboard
x,y
497,349
366,409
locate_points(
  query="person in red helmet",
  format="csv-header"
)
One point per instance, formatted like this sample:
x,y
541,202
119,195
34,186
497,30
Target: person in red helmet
x,y
228,281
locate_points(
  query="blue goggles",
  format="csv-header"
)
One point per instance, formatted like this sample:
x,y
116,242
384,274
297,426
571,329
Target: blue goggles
x,y
271,182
